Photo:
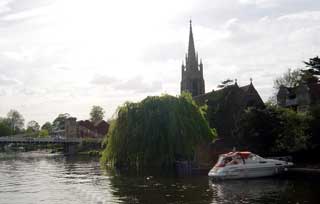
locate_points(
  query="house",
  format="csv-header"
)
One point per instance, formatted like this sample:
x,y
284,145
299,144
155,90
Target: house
x,y
90,129
299,98
85,128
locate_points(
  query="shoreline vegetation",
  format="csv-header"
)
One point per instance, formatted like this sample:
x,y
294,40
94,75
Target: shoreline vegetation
x,y
269,131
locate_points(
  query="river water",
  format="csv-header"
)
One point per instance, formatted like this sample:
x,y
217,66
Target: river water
x,y
32,178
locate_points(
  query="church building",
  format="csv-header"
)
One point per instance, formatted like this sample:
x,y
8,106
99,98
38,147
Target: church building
x,y
226,105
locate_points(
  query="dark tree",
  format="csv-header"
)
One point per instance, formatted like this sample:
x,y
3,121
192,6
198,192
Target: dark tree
x,y
291,78
315,127
97,113
225,83
47,126
257,130
16,121
273,130
4,127
33,126
59,122
312,73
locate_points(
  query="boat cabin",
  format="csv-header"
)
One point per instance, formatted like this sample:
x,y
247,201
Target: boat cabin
x,y
234,158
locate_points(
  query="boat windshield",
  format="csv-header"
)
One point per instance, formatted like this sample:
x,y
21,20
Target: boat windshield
x,y
226,160
255,157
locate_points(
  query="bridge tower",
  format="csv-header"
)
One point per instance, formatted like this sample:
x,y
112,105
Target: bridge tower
x,y
71,130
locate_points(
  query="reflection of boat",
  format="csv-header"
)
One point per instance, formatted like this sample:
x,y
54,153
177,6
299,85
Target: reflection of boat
x,y
260,190
235,165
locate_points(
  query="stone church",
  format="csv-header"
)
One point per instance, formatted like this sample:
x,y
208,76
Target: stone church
x,y
226,105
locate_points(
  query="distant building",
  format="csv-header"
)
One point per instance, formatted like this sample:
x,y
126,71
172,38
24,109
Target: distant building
x,y
299,98
85,128
226,105
192,72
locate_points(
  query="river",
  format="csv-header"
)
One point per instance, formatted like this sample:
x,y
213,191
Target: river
x,y
34,178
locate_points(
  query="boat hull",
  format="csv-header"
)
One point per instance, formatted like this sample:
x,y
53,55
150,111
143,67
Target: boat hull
x,y
247,172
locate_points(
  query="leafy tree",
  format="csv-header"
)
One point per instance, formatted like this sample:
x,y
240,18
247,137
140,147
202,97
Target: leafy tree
x,y
33,126
97,113
257,129
156,132
294,131
43,133
273,130
312,73
47,126
4,127
291,78
314,126
59,122
16,121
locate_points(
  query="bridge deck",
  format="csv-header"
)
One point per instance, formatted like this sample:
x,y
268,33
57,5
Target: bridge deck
x,y
45,140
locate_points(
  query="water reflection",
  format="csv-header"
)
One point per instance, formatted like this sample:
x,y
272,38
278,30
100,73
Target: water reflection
x,y
54,179
148,189
266,190
247,191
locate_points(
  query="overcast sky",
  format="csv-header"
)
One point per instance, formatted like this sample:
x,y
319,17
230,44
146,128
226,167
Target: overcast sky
x,y
64,56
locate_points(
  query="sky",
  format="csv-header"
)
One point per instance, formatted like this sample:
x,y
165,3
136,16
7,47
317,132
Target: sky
x,y
64,56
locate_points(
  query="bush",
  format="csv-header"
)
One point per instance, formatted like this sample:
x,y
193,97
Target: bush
x,y
274,130
315,126
294,132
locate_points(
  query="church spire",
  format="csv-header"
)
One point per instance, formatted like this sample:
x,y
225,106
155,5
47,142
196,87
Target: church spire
x,y
191,49
192,73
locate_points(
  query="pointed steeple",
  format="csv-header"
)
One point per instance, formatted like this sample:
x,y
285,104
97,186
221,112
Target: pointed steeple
x,y
192,72
191,48
201,67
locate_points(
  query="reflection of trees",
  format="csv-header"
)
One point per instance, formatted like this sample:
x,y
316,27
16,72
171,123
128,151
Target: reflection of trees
x,y
260,191
148,189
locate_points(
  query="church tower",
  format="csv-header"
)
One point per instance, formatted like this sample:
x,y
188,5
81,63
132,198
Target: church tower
x,y
192,71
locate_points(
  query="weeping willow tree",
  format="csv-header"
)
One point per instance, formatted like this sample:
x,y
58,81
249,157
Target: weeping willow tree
x,y
156,132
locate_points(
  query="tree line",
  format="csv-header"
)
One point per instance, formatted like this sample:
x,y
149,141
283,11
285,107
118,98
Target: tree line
x,y
14,123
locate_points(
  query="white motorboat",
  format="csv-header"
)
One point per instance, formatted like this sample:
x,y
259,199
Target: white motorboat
x,y
235,165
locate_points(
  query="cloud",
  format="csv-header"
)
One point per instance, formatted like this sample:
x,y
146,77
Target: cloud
x,y
27,91
3,92
164,51
134,85
301,16
30,13
5,81
4,6
137,85
261,3
103,80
